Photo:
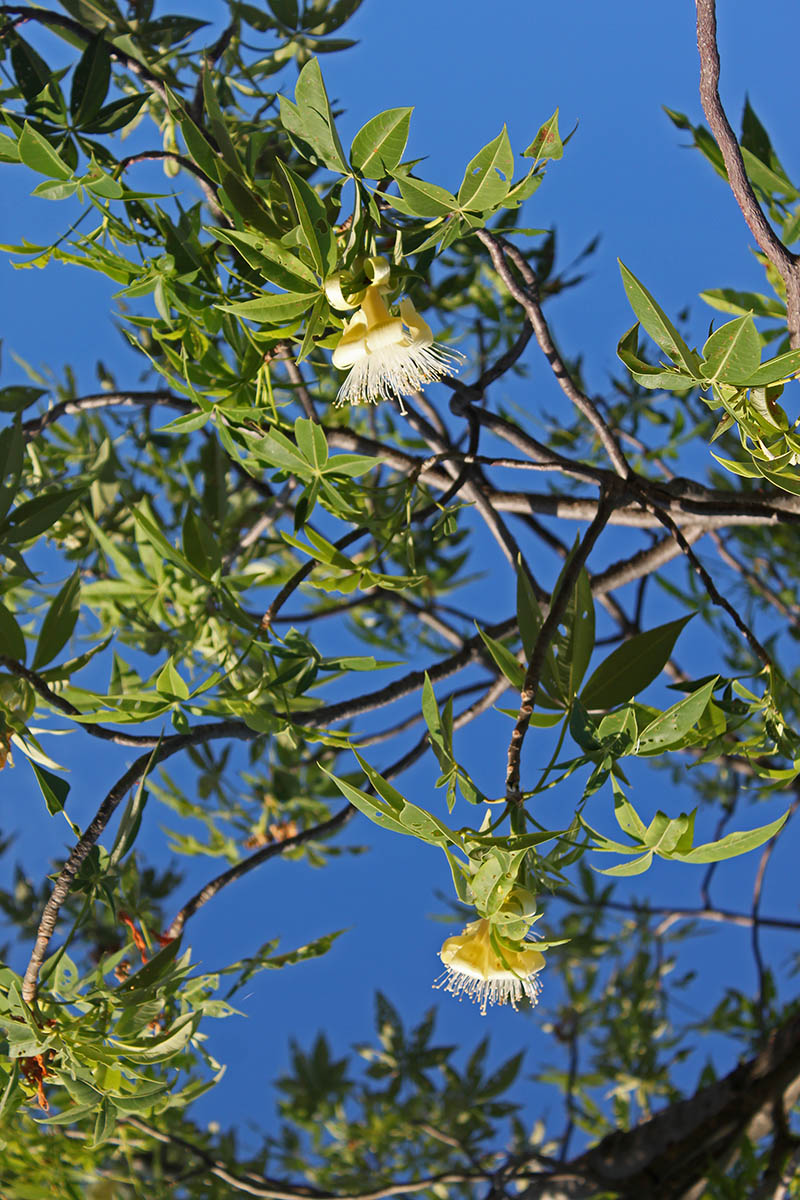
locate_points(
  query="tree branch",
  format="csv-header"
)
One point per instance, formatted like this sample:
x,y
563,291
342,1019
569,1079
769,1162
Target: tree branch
x,y
558,605
528,298
786,264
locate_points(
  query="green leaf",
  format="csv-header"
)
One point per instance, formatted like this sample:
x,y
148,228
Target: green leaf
x,y
105,1122
55,189
54,789
271,308
311,121
219,128
669,728
392,811
630,668
628,819
742,303
32,72
432,717
36,516
755,137
772,183
311,442
200,149
12,641
416,821
424,199
733,352
488,175
116,115
9,151
90,81
378,146
170,684
656,321
315,949
159,1049
547,144
733,844
277,450
486,880
776,369
575,650
380,814
131,819
100,184
523,191
286,12
143,983
313,220
59,622
635,866
316,321
506,661
529,614
199,544
37,153
12,456
274,261
744,469
149,529
570,652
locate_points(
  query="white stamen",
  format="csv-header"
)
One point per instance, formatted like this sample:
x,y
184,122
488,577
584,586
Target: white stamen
x,y
508,990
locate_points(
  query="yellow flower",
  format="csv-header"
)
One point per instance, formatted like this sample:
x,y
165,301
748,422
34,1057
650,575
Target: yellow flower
x,y
388,355
474,968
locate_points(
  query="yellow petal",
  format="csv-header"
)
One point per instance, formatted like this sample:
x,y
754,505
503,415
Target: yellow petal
x,y
419,329
352,345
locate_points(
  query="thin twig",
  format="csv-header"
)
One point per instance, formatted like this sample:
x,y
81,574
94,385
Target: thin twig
x,y
69,408
713,591
74,27
528,298
63,883
558,605
755,907
722,916
273,1189
240,869
301,392
99,731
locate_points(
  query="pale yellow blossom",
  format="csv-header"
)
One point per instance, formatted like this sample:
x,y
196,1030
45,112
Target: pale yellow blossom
x,y
388,354
487,972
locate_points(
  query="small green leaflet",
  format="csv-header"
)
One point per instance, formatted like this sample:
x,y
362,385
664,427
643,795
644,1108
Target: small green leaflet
x,y
488,175
670,728
732,353
378,146
656,322
547,143
629,669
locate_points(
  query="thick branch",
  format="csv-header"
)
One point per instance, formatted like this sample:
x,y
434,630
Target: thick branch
x,y
785,263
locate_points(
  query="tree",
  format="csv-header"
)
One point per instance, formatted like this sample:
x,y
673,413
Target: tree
x,y
200,572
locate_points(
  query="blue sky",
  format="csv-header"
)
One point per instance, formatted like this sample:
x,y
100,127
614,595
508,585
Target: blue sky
x,y
662,210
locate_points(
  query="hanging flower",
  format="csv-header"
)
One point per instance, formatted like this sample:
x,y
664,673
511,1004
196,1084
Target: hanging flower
x,y
388,355
473,967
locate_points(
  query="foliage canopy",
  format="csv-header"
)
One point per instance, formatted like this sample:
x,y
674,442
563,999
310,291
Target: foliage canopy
x,y
204,571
